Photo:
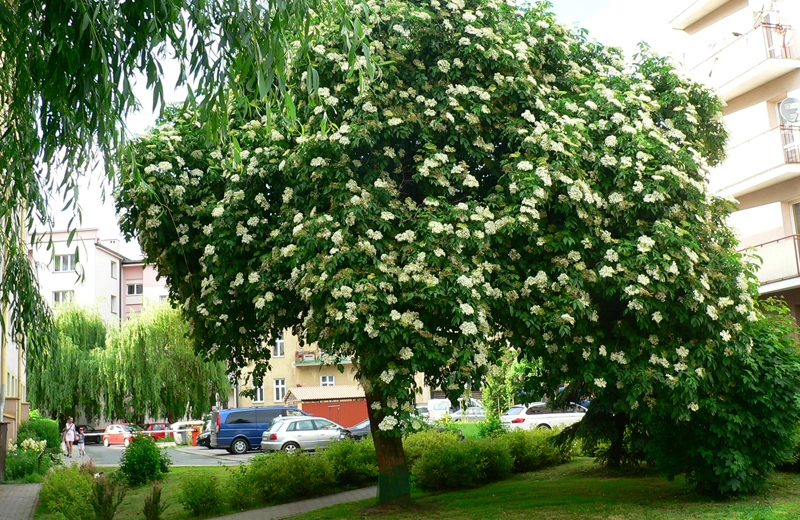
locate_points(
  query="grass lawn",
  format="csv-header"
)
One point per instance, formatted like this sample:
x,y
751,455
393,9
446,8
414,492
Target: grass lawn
x,y
131,507
582,490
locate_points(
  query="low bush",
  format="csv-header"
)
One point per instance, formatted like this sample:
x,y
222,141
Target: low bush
x,y
417,444
447,466
69,492
143,461
535,449
27,461
40,428
281,477
200,494
240,490
354,463
153,507
108,494
493,459
491,427
166,438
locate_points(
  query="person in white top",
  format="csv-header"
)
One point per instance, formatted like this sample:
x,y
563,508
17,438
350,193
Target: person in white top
x,y
69,436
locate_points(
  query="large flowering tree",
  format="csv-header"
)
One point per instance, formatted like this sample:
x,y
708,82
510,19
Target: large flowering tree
x,y
501,184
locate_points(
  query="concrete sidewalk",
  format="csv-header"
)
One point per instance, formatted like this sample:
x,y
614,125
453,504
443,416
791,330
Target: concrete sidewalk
x,y
18,501
304,506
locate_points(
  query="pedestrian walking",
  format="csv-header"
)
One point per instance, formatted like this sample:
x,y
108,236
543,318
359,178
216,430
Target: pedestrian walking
x,y
69,436
81,442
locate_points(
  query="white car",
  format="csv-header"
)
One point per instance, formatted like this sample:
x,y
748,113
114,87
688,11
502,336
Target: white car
x,y
539,415
471,414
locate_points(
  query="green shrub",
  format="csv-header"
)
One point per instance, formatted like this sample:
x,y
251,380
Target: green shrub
x,y
153,508
69,492
281,477
416,444
491,427
494,460
535,449
143,461
40,429
447,466
21,463
108,494
354,463
240,489
200,494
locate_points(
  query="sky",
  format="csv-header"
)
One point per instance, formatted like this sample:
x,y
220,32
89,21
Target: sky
x,y
620,23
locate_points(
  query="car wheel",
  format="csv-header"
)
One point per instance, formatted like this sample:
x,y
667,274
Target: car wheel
x,y
291,447
543,427
240,446
126,442
105,443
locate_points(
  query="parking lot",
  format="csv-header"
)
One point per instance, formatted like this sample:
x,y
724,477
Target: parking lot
x,y
180,455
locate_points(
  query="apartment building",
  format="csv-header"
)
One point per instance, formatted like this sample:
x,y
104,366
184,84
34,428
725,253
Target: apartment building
x,y
295,367
92,272
749,51
14,405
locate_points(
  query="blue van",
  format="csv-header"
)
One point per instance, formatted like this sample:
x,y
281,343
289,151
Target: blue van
x,y
239,429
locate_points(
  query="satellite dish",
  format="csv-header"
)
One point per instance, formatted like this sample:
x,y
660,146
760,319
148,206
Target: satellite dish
x,y
790,110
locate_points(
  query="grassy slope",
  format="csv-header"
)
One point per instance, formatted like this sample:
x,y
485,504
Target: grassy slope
x,y
581,490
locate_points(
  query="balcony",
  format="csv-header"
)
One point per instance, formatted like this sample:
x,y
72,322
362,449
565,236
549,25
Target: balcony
x,y
695,12
766,159
751,60
780,268
305,358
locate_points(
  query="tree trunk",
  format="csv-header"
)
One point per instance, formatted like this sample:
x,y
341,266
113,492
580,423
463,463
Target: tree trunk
x,y
394,484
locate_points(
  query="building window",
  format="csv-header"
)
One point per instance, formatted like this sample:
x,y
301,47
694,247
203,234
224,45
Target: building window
x,y
113,304
277,348
280,389
63,296
327,381
135,289
258,396
113,269
162,298
64,263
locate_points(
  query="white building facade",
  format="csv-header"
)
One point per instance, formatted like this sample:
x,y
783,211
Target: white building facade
x,y
749,51
86,271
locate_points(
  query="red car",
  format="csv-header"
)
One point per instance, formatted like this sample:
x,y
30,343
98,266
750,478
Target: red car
x,y
117,434
158,430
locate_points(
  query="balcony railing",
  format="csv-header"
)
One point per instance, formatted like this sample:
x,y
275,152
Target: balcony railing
x,y
757,157
735,67
780,259
312,358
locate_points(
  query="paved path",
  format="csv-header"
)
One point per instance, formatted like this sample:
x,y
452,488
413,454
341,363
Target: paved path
x,y
18,501
304,506
181,456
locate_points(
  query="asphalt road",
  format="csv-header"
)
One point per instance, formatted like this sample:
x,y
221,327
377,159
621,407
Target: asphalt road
x,y
180,455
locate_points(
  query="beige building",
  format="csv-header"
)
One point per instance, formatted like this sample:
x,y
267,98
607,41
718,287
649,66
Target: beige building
x,y
14,405
749,51
294,366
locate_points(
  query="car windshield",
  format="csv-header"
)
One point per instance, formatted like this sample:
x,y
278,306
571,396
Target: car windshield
x,y
514,410
127,428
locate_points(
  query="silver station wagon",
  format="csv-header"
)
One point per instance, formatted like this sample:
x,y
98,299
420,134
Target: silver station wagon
x,y
293,434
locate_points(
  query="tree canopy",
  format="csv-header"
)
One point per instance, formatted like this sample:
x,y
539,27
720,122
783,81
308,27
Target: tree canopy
x,y
67,74
148,367
503,183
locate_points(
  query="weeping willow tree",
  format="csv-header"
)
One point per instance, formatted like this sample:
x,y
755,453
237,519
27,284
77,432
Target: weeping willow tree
x,y
63,379
145,368
151,369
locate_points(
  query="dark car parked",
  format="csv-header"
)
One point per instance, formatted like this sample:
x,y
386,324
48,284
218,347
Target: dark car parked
x,y
360,430
239,429
92,436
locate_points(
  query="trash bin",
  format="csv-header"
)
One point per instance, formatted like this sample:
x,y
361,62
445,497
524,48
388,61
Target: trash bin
x,y
196,431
